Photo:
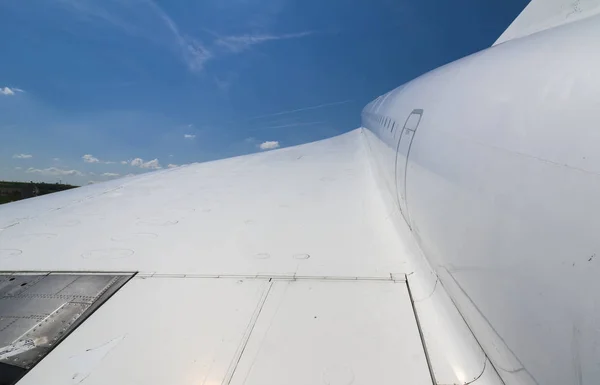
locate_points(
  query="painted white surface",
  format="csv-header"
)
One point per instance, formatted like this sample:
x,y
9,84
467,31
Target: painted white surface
x,y
544,14
231,331
258,214
455,355
308,211
338,333
502,191
156,331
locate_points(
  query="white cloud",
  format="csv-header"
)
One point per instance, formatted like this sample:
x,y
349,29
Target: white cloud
x,y
110,174
89,158
189,136
241,43
269,145
56,159
151,164
9,91
171,165
53,171
22,156
124,162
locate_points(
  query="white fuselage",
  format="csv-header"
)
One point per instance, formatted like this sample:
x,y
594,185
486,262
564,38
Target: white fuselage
x,y
494,163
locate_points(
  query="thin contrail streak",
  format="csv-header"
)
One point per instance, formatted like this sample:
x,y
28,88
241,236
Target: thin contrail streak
x,y
287,125
300,109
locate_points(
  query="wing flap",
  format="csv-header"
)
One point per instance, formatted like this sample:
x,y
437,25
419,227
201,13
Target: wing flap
x,y
249,331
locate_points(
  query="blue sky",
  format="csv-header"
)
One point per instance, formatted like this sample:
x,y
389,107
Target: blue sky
x,y
93,90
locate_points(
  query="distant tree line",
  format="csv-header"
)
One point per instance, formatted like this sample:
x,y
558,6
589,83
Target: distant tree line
x,y
14,191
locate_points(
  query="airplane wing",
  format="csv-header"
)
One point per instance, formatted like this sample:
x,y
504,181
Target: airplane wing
x,y
275,268
285,267
540,15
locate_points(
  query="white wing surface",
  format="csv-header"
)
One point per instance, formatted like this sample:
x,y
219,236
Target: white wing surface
x,y
274,268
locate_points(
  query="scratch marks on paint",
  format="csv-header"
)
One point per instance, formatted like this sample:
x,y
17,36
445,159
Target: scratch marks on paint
x,y
8,253
575,8
87,361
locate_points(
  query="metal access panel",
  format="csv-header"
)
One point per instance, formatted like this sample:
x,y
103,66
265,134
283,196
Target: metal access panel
x,y
38,310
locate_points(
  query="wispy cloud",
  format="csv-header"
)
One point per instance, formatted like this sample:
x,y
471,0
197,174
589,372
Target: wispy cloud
x,y
89,158
241,43
189,136
22,156
10,91
224,83
171,165
56,159
269,145
110,174
192,50
151,164
53,171
145,19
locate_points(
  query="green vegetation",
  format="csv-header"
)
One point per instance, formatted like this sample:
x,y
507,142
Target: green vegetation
x,y
14,191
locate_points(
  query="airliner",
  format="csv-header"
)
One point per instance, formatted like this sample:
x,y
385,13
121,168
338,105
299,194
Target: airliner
x,y
454,238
